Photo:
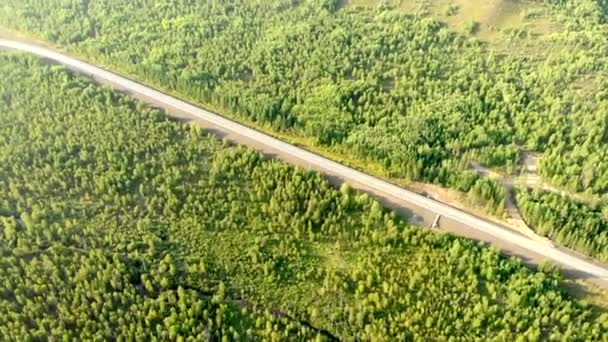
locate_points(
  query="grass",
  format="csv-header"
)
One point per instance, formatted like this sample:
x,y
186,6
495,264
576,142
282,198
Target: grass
x,y
590,293
512,26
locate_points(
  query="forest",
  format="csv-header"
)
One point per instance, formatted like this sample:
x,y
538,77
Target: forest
x,y
117,223
374,86
566,221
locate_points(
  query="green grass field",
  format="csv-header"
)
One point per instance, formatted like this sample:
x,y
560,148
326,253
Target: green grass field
x,y
507,25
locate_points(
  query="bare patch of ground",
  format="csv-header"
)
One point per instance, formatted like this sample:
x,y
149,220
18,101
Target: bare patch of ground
x,y
530,160
530,178
458,200
513,218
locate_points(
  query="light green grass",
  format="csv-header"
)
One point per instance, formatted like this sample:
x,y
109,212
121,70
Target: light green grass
x,y
516,27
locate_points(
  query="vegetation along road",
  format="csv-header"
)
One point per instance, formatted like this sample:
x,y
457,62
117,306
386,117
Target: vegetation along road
x,y
453,219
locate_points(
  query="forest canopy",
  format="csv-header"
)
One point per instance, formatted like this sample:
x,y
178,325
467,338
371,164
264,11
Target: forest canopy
x,y
117,223
413,96
405,92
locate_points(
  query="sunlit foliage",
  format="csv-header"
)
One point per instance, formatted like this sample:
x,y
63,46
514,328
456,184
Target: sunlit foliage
x,y
119,224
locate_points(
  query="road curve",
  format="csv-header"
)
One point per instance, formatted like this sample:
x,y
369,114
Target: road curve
x,y
595,272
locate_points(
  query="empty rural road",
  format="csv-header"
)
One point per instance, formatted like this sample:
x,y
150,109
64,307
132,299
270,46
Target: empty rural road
x,y
452,219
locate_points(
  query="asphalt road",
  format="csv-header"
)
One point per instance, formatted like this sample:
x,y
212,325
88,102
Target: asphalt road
x,y
452,219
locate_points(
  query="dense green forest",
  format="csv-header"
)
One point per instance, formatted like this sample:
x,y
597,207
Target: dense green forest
x,y
377,85
403,91
117,223
572,224
399,90
415,97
